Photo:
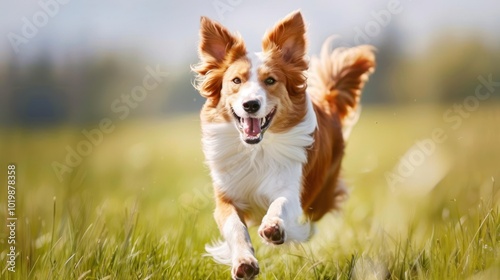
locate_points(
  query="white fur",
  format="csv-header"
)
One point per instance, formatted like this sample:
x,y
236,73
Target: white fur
x,y
220,251
259,177
237,245
252,90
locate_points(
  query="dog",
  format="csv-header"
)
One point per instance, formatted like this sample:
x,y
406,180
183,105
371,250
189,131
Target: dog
x,y
273,133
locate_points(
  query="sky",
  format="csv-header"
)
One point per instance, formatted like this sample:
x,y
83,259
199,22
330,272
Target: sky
x,y
167,31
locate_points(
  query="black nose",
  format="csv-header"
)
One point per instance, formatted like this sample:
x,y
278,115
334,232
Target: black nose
x,y
251,106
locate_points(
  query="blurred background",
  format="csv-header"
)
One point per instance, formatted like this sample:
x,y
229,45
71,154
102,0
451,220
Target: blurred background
x,y
98,111
67,65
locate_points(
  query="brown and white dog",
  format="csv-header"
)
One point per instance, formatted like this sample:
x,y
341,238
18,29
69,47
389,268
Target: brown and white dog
x,y
273,134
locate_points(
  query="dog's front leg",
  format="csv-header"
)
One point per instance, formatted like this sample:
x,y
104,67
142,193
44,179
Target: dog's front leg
x,y
233,229
285,221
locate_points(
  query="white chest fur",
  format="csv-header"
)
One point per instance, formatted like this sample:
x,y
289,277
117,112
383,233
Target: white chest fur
x,y
252,176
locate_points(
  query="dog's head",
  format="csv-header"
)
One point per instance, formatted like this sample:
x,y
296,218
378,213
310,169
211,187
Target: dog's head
x,y
256,91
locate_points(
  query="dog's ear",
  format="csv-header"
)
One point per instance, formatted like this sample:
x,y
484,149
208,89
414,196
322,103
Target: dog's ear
x,y
216,42
218,48
288,37
286,42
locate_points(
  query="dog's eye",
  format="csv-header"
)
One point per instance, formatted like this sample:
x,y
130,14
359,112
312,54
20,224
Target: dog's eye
x,y
237,81
269,81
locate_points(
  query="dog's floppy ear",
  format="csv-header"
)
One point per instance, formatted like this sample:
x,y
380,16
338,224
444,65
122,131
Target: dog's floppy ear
x,y
217,49
288,37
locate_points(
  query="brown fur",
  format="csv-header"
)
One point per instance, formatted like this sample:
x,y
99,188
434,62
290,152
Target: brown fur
x,y
336,80
218,50
285,45
335,83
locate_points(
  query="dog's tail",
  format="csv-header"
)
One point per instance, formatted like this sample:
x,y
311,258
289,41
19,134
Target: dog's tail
x,y
337,77
220,251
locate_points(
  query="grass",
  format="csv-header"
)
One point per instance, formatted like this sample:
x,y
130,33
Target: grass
x,y
140,205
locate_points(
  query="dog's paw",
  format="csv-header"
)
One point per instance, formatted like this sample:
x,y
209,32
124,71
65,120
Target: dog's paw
x,y
245,268
272,231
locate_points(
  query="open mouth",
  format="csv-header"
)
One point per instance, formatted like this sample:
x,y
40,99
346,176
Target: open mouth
x,y
252,129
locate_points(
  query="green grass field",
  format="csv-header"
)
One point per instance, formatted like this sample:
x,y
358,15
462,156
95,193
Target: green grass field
x,y
140,205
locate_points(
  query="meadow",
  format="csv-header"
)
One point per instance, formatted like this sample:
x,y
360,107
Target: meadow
x,y
140,205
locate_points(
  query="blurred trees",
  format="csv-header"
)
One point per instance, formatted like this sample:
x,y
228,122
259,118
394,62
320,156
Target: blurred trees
x,y
76,89
445,72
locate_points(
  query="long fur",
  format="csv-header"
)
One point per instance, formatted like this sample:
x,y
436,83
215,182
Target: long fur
x,y
220,251
289,176
337,77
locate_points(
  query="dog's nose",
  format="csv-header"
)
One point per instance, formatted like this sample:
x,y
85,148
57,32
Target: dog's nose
x,y
251,106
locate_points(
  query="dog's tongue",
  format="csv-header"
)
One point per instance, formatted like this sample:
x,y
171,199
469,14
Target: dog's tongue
x,y
252,126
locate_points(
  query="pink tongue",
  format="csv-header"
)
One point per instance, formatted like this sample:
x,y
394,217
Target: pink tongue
x,y
252,126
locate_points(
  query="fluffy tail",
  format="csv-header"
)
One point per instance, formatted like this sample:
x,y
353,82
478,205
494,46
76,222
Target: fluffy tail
x,y
337,77
220,251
